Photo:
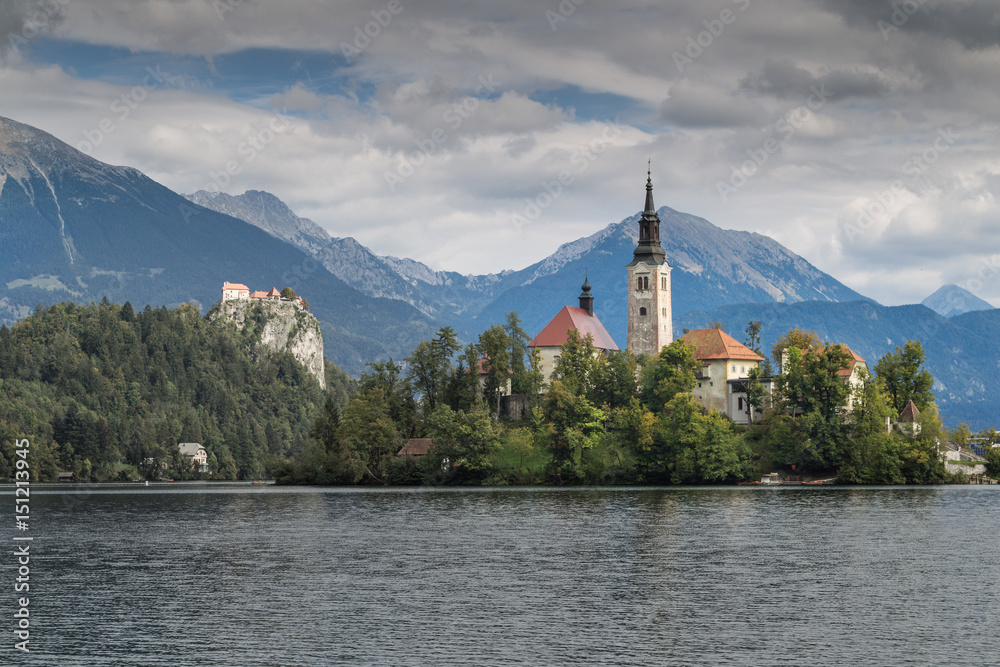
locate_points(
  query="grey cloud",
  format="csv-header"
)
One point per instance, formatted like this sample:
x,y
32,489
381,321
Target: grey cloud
x,y
700,106
785,79
975,24
22,20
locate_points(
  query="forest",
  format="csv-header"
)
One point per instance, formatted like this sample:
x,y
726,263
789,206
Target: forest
x,y
618,419
108,393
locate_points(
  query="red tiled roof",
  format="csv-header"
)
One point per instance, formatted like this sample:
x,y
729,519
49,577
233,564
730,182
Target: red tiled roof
x,y
717,344
416,447
556,332
257,294
909,413
236,286
274,292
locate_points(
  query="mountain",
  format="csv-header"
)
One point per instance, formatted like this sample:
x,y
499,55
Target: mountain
x,y
712,266
74,228
960,351
953,300
265,211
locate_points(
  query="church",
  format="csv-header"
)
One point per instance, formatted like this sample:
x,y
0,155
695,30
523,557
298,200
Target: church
x,y
650,326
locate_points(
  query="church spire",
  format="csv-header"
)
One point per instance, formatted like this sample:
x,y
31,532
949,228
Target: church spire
x,y
649,249
586,298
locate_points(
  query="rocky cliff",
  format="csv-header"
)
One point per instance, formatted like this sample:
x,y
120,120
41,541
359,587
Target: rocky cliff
x,y
279,325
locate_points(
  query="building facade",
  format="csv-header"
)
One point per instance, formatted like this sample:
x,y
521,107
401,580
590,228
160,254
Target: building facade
x,y
650,314
724,373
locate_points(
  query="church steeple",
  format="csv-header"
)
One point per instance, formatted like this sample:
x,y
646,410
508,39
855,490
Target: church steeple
x,y
650,315
586,298
649,249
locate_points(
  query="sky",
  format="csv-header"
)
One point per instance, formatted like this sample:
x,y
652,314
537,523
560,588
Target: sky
x,y
479,136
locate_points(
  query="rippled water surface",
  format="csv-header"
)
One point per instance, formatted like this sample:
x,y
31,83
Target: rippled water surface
x,y
243,575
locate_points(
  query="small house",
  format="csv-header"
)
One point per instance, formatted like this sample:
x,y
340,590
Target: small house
x,y
69,476
197,454
234,291
416,447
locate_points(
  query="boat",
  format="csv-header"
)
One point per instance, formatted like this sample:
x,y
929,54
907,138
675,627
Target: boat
x,y
753,483
259,481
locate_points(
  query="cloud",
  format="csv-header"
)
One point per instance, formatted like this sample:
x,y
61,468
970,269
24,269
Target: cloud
x,y
697,105
975,24
21,21
784,79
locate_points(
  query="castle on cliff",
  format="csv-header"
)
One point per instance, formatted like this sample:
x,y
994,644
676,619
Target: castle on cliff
x,y
240,292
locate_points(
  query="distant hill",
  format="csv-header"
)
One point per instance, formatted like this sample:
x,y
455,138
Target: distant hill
x,y
74,228
953,300
712,267
962,354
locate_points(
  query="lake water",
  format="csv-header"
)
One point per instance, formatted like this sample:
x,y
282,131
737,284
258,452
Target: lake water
x,y
246,575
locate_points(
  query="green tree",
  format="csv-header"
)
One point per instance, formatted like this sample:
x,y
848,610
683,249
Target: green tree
x,y
874,455
903,379
494,347
429,367
575,363
614,380
368,429
288,293
571,422
671,372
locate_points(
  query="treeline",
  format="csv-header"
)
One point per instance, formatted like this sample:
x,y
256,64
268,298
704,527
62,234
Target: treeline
x,y
615,418
108,393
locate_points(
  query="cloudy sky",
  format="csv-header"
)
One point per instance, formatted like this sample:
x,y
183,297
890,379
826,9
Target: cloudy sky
x,y
478,136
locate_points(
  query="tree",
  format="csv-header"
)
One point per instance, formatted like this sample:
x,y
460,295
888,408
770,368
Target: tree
x,y
614,382
811,389
671,372
494,346
795,337
368,429
903,379
874,455
429,367
575,363
571,421
288,293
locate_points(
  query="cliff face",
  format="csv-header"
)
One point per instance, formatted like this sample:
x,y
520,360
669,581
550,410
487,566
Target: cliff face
x,y
280,325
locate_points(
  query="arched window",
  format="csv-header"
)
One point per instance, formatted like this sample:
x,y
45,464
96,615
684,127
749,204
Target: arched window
x,y
642,311
638,283
645,283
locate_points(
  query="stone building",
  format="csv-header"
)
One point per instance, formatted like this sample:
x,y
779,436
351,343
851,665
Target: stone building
x,y
650,316
724,373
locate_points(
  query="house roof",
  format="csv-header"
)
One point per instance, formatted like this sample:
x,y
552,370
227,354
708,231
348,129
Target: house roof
x,y
235,286
258,294
909,413
416,447
189,448
717,344
556,332
274,292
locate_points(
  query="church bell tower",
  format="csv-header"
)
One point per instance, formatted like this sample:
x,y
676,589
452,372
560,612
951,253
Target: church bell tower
x,y
650,317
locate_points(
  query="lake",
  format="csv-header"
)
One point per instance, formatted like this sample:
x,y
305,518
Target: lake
x,y
226,574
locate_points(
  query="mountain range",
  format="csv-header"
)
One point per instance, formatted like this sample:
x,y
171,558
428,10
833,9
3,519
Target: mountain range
x,y
73,228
